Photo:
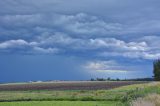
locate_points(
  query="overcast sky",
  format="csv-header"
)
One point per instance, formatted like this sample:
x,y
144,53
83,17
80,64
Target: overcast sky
x,y
78,39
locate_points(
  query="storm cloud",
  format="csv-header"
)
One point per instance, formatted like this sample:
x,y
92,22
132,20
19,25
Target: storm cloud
x,y
105,30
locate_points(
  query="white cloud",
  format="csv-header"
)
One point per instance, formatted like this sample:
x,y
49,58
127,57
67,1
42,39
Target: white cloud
x,y
119,44
112,71
66,41
135,55
108,46
104,67
31,47
47,50
13,43
100,65
57,38
16,43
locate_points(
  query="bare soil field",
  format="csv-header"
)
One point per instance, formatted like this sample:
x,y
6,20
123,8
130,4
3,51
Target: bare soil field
x,y
68,85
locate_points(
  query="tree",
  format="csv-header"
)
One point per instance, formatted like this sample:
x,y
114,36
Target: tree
x,y
108,78
156,70
92,79
118,79
100,79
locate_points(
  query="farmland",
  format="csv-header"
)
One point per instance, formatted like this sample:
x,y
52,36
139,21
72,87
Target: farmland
x,y
72,94
59,103
67,85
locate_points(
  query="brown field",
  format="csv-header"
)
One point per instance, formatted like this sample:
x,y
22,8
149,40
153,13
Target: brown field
x,y
68,85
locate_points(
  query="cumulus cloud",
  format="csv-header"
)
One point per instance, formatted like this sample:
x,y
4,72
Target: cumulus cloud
x,y
119,44
65,40
133,55
26,47
86,30
107,46
14,43
104,67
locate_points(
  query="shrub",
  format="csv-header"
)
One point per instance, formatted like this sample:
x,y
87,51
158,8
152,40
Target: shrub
x,y
156,70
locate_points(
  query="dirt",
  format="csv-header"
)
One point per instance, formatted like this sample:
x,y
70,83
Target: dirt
x,y
66,85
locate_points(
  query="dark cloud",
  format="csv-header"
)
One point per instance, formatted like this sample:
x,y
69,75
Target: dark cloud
x,y
92,29
77,33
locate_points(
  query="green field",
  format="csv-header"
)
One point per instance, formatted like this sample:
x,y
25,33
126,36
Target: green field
x,y
59,103
121,96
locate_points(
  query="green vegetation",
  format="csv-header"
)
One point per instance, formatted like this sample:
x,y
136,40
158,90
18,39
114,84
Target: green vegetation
x,y
58,103
156,70
116,97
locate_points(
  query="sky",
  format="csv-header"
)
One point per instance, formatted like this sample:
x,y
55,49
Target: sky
x,y
78,39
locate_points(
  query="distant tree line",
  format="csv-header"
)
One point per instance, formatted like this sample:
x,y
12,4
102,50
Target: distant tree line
x,y
117,79
103,79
